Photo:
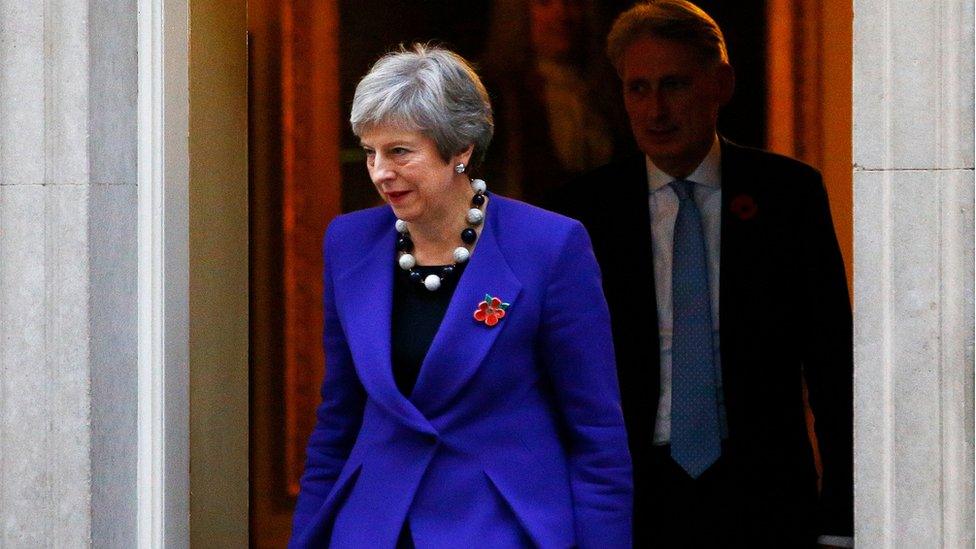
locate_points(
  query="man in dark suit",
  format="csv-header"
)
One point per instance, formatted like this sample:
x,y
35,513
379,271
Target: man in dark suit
x,y
729,302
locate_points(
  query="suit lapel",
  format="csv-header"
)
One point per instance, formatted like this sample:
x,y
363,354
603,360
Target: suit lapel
x,y
637,233
364,295
738,184
461,343
738,260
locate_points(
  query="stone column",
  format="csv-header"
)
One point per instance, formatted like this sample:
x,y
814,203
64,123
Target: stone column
x,y
913,272
68,90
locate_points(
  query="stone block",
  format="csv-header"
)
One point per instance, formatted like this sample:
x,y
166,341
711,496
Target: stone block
x,y
913,354
66,93
22,92
113,66
913,83
44,405
67,359
872,400
114,373
914,359
956,356
956,59
26,384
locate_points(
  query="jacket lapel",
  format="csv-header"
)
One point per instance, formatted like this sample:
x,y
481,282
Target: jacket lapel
x,y
737,246
364,296
739,259
461,343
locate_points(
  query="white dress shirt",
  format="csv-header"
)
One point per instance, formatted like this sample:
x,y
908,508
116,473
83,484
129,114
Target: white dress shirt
x,y
663,203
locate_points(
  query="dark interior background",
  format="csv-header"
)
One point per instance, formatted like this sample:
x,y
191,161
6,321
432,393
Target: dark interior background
x,y
369,28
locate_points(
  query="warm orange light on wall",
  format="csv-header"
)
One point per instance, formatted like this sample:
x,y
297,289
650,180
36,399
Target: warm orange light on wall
x,y
311,197
295,192
810,47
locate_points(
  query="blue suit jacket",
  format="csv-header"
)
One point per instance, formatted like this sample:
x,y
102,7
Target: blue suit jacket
x,y
513,435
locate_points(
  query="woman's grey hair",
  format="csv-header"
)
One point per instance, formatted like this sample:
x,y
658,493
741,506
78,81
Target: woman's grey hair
x,y
677,20
427,89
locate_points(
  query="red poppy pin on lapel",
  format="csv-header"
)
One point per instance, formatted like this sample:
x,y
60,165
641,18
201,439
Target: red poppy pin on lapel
x,y
744,207
490,311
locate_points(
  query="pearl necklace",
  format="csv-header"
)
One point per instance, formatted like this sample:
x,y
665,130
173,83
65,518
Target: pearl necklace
x,y
404,245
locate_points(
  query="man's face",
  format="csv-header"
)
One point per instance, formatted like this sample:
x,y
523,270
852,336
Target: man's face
x,y
673,98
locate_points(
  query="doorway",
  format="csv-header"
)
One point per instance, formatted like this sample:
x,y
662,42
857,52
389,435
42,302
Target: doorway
x,y
306,167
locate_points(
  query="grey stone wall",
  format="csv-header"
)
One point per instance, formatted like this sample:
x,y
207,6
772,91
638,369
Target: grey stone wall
x,y
67,273
913,273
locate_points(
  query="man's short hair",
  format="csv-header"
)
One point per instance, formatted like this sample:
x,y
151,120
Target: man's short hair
x,y
676,20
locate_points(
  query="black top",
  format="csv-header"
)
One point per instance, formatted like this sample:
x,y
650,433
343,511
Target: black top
x,y
417,314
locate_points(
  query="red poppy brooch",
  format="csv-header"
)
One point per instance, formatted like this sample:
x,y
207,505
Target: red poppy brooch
x,y
744,207
490,311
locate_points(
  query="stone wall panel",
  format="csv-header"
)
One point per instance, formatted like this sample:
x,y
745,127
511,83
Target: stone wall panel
x,y
956,355
67,275
113,91
66,93
913,273
114,384
21,91
913,85
957,86
67,358
872,384
27,388
913,364
913,293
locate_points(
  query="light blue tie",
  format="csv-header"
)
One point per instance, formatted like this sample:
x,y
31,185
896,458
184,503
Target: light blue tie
x,y
695,438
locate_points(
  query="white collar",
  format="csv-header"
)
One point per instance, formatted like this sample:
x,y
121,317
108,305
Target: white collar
x,y
709,172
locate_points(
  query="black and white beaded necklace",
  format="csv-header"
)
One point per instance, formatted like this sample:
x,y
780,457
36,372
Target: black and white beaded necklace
x,y
469,235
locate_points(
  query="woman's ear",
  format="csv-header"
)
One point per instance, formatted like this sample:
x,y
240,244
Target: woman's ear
x,y
464,156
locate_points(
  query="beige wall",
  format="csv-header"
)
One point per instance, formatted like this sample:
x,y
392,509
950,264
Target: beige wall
x,y
218,274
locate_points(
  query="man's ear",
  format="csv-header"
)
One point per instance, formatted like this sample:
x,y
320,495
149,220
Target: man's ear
x,y
725,77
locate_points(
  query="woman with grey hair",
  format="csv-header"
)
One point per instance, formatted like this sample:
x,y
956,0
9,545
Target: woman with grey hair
x,y
470,396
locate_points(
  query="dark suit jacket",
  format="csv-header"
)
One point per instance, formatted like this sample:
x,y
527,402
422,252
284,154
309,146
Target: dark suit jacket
x,y
785,317
512,431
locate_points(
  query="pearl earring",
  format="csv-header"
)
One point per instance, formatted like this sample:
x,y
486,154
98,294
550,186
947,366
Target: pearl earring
x,y
459,168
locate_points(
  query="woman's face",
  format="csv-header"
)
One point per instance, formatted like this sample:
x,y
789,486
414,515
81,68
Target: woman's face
x,y
410,174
